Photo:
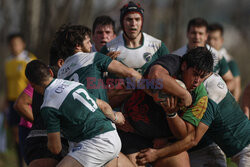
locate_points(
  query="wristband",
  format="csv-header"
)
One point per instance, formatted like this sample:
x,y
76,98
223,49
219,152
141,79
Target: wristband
x,y
172,115
115,118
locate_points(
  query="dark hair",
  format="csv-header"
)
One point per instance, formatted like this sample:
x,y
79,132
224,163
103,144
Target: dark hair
x,y
68,37
131,7
216,27
14,35
197,22
37,72
199,58
53,58
103,20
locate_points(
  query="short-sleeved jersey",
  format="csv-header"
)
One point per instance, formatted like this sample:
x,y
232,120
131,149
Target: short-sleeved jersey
x,y
231,62
138,58
68,108
149,119
220,64
15,74
228,126
87,68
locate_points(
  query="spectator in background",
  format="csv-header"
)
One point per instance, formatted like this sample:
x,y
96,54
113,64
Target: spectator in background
x,y
245,102
16,82
216,40
103,31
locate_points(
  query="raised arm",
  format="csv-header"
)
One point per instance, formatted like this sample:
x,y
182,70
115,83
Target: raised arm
x,y
118,68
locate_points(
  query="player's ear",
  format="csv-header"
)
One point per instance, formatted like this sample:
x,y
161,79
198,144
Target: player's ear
x,y
60,62
183,66
51,73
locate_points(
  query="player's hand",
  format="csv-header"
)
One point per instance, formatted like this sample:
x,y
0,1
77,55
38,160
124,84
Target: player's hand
x,y
186,100
120,118
126,127
146,156
113,55
170,104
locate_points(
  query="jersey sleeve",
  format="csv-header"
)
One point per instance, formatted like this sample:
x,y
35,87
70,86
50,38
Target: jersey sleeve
x,y
102,61
234,68
210,113
104,50
163,50
170,62
195,112
28,90
51,119
223,67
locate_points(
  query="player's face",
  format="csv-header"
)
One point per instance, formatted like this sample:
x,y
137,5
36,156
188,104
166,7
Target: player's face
x,y
192,77
102,35
17,45
215,39
132,23
86,44
197,37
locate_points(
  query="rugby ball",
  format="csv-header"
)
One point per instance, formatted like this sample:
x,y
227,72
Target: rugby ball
x,y
161,95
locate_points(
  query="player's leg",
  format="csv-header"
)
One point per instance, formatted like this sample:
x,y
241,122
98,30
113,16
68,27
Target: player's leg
x,y
120,161
48,162
69,161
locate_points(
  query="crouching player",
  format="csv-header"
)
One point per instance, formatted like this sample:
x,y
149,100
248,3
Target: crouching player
x,y
70,110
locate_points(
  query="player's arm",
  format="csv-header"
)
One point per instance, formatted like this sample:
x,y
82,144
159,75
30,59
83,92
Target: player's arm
x,y
116,117
54,142
169,84
237,90
121,70
22,106
192,139
177,125
246,101
229,79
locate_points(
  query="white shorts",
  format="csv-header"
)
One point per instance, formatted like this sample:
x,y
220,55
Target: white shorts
x,y
242,159
96,151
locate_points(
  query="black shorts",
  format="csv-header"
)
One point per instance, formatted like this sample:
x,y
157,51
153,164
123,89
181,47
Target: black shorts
x,y
13,117
132,143
36,148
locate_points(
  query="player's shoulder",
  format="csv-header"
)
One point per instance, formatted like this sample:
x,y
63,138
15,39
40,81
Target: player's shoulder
x,y
117,41
151,40
181,51
59,90
216,88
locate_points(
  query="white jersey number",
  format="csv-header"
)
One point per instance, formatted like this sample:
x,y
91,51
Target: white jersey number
x,y
77,95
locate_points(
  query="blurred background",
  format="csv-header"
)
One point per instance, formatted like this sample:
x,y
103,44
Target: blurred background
x,y
167,20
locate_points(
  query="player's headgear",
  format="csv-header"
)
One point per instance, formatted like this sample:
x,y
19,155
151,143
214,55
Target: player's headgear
x,y
131,7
